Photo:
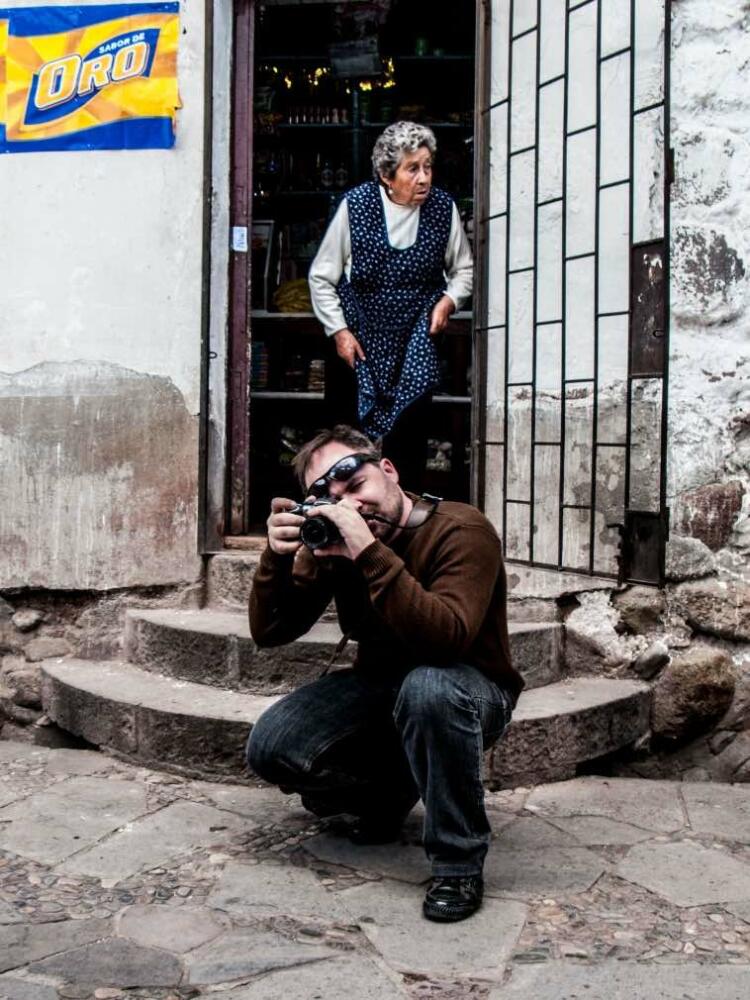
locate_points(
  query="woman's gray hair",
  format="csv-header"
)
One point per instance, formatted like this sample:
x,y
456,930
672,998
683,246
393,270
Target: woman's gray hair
x,y
397,141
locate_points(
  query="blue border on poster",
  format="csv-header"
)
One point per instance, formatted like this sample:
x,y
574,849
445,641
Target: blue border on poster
x,y
136,133
25,21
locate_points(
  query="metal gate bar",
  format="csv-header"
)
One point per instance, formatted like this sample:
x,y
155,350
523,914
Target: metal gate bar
x,y
517,424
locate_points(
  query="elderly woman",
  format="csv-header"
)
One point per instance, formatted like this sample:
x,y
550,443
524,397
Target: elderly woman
x,y
392,267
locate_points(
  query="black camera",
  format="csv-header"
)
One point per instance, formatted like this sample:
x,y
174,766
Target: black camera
x,y
317,532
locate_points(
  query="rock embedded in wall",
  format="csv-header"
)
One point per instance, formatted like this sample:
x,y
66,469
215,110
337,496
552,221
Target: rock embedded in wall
x,y
11,641
738,714
691,695
46,646
709,275
732,762
24,679
593,643
706,161
640,608
709,513
717,607
688,558
27,619
650,662
21,715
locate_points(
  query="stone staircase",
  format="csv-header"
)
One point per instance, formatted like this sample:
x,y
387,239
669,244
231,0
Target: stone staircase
x,y
193,682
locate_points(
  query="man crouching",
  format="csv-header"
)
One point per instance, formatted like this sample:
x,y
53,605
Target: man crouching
x,y
420,585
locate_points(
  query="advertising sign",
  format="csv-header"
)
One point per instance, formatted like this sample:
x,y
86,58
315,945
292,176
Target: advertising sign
x,y
97,77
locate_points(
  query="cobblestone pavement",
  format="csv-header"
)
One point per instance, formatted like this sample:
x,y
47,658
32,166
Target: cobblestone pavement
x,y
116,881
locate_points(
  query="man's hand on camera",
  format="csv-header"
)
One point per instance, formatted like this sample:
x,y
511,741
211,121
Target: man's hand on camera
x,y
283,527
353,527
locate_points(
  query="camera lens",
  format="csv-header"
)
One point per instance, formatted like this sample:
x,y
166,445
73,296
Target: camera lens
x,y
319,532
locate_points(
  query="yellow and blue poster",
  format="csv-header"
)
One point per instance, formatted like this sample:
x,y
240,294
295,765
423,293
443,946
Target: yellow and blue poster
x,y
95,77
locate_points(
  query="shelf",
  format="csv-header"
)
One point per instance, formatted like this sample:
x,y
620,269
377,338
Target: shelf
x,y
446,57
322,193
310,57
347,126
467,127
273,394
324,58
267,314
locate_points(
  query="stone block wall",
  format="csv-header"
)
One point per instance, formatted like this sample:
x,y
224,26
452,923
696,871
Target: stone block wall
x,y
36,625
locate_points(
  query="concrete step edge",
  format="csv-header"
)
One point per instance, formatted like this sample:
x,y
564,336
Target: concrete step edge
x,y
215,647
194,729
118,679
595,691
222,622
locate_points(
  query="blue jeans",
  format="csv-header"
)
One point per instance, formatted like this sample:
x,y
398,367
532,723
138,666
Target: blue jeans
x,y
352,743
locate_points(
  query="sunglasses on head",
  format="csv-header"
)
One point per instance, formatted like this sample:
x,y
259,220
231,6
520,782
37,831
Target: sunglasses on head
x,y
340,471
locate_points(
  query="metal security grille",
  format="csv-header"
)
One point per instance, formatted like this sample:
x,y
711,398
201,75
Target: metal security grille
x,y
572,305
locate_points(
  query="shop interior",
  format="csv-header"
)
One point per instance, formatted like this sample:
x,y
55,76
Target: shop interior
x,y
328,77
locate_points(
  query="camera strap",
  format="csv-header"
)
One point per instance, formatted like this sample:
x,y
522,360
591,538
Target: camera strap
x,y
421,512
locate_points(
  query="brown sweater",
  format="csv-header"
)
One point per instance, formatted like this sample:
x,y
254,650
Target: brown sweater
x,y
435,596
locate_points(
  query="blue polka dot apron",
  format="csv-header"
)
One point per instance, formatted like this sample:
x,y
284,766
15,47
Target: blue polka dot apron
x,y
387,301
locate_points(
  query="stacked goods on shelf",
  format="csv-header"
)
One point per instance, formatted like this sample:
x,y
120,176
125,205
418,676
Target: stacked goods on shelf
x,y
293,296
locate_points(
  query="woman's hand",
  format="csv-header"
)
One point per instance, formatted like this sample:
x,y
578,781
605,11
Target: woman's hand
x,y
441,314
348,347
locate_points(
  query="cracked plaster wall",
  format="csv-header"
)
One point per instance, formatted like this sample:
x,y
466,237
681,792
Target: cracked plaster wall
x,y
709,404
100,368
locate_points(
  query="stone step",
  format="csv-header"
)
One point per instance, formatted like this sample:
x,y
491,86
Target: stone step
x,y
558,727
212,646
198,730
145,717
229,580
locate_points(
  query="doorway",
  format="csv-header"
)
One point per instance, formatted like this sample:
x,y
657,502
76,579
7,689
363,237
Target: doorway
x,y
314,84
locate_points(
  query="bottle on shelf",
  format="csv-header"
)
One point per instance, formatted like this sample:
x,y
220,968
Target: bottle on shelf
x,y
342,176
326,175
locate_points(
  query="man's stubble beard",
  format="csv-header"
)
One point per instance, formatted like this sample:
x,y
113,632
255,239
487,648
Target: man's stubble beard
x,y
392,510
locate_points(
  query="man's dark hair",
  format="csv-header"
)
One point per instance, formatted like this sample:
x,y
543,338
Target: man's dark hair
x,y
341,434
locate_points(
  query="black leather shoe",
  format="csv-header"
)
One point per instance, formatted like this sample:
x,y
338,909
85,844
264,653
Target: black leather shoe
x,y
453,897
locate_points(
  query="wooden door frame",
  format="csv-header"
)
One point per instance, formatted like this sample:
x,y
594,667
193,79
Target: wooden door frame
x,y
241,200
483,57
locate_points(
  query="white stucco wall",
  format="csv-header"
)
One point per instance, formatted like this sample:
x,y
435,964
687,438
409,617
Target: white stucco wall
x,y
101,300
709,405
